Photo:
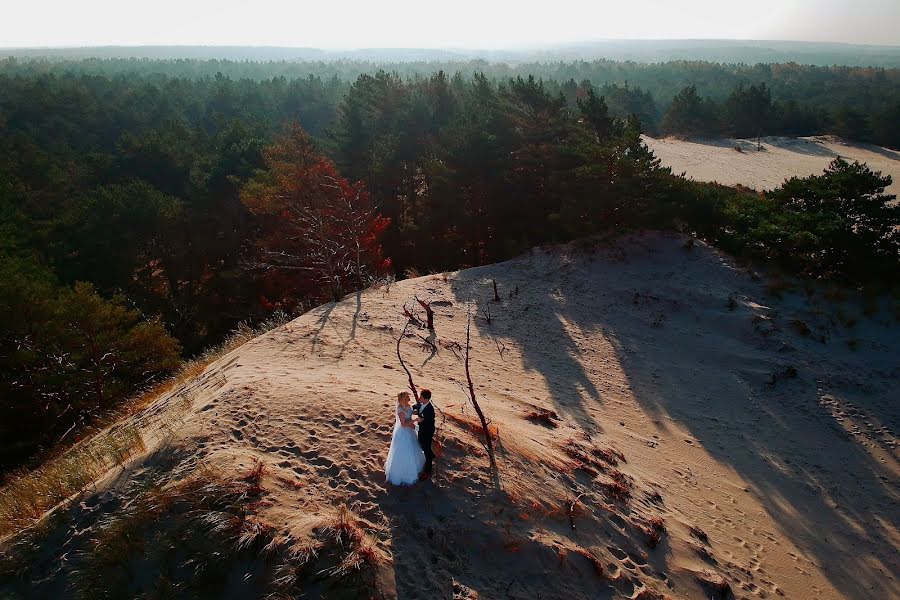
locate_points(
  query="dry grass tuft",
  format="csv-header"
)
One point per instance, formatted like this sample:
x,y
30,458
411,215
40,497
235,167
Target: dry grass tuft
x,y
800,327
473,426
29,496
590,454
777,286
619,489
358,547
254,478
194,534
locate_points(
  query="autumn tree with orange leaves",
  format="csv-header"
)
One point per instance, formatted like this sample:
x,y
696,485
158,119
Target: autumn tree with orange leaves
x,y
315,224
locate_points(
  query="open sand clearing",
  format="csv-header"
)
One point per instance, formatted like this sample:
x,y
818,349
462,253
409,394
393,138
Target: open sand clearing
x,y
761,431
781,158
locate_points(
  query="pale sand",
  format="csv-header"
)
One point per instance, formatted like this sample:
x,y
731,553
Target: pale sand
x,y
781,158
633,343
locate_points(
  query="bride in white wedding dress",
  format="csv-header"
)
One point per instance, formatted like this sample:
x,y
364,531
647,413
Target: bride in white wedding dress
x,y
405,458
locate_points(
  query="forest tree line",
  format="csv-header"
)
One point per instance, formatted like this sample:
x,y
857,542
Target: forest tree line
x,y
860,103
142,216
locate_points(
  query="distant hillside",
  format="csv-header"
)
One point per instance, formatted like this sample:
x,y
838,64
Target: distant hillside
x,y
647,51
765,167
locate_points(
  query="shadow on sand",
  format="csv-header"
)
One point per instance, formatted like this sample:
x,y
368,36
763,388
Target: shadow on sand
x,y
789,449
549,350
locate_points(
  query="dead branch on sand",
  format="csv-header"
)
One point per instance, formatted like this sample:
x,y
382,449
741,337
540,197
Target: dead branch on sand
x,y
412,317
572,510
429,313
453,346
489,444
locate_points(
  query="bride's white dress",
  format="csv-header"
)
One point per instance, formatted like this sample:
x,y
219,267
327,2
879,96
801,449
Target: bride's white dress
x,y
405,458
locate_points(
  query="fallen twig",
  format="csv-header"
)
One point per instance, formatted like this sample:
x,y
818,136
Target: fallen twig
x,y
572,509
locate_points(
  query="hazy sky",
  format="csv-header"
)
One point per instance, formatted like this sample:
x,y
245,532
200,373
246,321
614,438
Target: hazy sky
x,y
448,23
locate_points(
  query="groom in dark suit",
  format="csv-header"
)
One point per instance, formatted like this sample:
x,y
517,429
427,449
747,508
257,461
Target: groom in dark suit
x,y
426,429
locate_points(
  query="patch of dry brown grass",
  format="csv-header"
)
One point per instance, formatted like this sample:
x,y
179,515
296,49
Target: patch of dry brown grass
x,y
472,426
27,495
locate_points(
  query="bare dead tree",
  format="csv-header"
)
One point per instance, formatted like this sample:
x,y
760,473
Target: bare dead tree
x,y
429,313
486,314
412,386
496,293
319,224
488,441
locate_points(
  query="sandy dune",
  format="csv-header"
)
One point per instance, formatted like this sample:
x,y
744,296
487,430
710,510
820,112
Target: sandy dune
x,y
753,421
781,158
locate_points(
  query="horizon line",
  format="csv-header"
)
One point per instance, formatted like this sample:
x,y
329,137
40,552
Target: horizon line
x,y
511,47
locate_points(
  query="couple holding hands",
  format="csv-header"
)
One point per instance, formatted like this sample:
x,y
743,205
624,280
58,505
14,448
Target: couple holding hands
x,y
410,458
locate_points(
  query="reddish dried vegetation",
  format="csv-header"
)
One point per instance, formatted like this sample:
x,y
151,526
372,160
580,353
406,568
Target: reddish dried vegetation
x,y
594,460
472,426
254,479
654,529
545,417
